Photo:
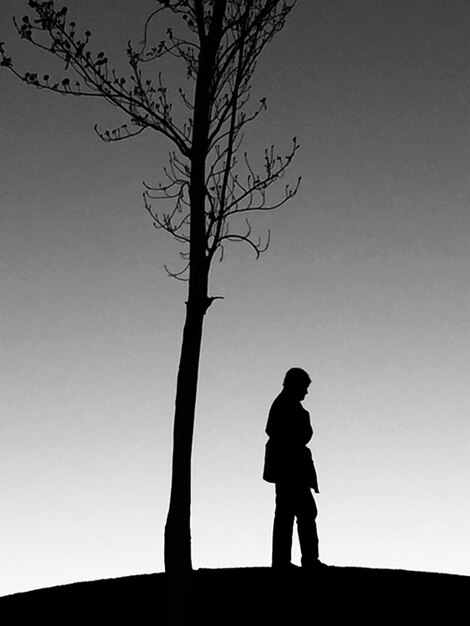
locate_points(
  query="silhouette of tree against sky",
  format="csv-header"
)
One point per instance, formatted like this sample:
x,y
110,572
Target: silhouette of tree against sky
x,y
208,181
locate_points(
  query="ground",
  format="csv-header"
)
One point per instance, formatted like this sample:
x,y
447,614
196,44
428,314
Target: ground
x,y
254,596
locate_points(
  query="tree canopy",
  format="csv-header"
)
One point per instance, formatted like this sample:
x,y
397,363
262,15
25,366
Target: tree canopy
x,y
232,184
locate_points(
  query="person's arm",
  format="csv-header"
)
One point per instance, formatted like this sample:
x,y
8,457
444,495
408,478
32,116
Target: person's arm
x,y
307,430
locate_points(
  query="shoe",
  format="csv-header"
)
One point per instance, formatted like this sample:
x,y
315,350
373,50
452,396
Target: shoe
x,y
284,567
313,566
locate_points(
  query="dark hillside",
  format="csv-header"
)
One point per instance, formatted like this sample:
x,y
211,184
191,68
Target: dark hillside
x,y
254,596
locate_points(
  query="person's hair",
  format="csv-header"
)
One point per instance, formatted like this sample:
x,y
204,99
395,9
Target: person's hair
x,y
296,376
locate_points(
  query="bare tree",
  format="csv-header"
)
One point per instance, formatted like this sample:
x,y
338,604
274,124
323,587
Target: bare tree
x,y
208,182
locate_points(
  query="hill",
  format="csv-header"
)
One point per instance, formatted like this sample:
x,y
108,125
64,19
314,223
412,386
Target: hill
x,y
254,596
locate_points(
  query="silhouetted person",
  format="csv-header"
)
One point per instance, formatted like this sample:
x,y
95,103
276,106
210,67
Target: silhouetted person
x,y
289,464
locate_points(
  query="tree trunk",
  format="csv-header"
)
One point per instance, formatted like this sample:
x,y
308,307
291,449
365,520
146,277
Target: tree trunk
x,y
177,528
178,565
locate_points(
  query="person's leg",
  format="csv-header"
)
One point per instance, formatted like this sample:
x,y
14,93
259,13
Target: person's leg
x,y
306,512
283,526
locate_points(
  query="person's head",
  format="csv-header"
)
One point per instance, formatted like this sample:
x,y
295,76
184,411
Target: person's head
x,y
296,382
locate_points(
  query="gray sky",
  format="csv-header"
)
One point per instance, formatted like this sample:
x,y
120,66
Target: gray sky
x,y
365,285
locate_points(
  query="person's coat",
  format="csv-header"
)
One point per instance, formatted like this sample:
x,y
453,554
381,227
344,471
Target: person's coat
x,y
287,457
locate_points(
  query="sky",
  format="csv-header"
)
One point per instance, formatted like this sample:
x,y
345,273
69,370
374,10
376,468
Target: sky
x,y
365,285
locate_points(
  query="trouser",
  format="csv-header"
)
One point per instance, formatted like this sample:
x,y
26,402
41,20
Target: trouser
x,y
294,501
